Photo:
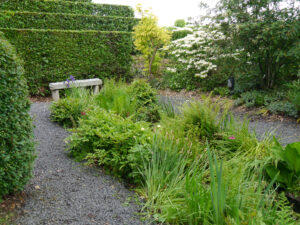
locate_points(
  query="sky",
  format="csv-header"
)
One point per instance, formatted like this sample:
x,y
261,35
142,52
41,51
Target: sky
x,y
167,11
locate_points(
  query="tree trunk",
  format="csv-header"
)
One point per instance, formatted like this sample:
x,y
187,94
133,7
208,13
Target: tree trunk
x,y
151,62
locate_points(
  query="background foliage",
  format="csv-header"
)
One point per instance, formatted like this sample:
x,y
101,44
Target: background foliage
x,y
257,44
57,39
34,20
149,38
86,54
72,7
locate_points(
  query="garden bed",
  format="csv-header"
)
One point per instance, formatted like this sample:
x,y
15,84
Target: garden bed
x,y
181,164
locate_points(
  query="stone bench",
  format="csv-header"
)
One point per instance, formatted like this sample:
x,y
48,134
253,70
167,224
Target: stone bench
x,y
55,87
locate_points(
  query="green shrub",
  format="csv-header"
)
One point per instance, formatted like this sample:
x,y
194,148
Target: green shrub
x,y
253,98
67,111
285,167
106,139
86,54
180,34
66,7
146,99
62,21
179,80
16,131
294,93
223,91
78,0
283,107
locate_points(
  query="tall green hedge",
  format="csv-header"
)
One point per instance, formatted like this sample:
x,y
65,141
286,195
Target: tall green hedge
x,y
54,55
59,21
78,0
51,6
16,133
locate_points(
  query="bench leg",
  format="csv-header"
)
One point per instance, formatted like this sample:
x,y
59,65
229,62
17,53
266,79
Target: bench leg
x,y
96,89
55,95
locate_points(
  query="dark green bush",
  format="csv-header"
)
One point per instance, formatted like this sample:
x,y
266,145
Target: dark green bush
x,y
223,91
78,0
253,98
294,93
16,136
146,99
180,34
106,139
62,21
66,7
67,111
179,80
53,55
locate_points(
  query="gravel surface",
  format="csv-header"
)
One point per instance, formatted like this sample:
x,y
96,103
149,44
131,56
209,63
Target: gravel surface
x,y
66,192
287,131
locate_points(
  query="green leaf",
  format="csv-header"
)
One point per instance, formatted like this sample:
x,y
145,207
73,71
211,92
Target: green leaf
x,y
291,156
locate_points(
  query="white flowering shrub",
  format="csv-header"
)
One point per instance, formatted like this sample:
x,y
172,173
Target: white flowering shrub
x,y
200,56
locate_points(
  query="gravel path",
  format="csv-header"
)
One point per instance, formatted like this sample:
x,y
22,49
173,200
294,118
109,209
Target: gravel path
x,y
287,131
65,192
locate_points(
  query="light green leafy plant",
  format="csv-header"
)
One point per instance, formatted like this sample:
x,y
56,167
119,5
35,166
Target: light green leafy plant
x,y
105,139
149,37
286,165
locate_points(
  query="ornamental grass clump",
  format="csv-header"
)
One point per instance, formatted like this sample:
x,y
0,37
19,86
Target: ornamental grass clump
x,y
16,130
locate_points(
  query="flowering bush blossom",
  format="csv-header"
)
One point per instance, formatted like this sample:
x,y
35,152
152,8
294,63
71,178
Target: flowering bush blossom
x,y
200,51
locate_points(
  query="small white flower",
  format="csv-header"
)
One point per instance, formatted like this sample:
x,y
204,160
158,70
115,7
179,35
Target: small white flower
x,y
158,126
142,128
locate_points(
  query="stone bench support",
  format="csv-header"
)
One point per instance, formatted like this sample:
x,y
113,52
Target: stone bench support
x,y
55,87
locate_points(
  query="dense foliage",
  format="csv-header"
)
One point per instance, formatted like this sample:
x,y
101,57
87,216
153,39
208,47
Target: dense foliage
x,y
49,57
255,42
137,101
107,139
200,166
57,39
67,111
66,7
16,130
146,101
35,20
149,38
268,34
199,60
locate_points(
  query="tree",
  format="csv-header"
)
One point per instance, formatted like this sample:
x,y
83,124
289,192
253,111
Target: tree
x,y
179,23
149,38
267,33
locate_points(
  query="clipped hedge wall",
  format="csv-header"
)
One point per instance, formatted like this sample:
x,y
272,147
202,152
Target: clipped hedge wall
x,y
51,6
33,20
16,130
78,0
53,55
